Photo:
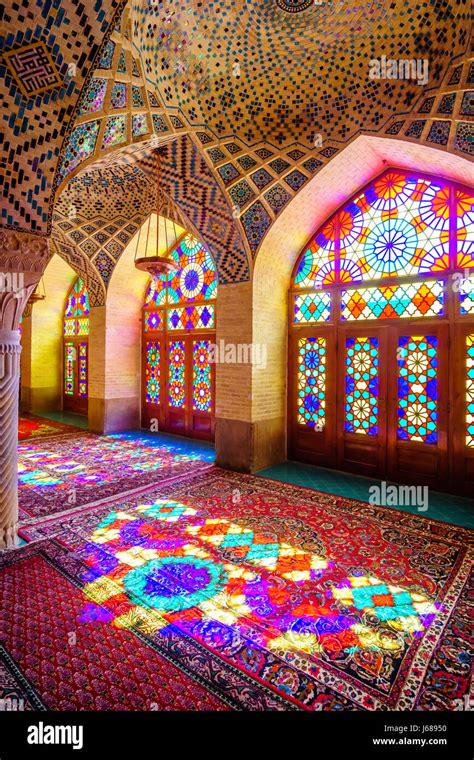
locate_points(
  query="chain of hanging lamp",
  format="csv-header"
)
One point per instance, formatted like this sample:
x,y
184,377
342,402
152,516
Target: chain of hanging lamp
x,y
154,264
39,293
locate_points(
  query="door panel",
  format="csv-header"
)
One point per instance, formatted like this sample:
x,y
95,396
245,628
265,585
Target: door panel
x,y
180,366
463,428
76,375
418,404
312,396
362,395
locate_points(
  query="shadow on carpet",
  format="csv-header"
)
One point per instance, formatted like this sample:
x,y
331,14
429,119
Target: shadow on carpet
x,y
269,596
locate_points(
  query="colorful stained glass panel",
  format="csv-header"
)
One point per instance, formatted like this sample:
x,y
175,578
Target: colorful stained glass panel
x,y
176,374
152,373
311,307
195,279
466,292
77,304
153,320
424,299
398,226
362,385
69,359
470,391
317,266
76,315
418,388
156,292
465,229
191,317
83,369
202,376
312,382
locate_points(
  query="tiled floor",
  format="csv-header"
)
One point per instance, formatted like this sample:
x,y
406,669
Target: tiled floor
x,y
452,509
67,418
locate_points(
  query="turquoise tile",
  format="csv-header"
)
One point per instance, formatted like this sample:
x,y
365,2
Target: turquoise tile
x,y
445,507
67,418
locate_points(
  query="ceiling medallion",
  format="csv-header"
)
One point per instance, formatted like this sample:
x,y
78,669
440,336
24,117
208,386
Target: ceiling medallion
x,y
294,6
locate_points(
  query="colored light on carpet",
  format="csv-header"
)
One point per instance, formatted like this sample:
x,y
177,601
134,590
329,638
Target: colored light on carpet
x,y
314,601
165,563
89,467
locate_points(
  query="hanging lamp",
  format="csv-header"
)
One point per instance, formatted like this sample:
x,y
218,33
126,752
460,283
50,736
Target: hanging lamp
x,y
39,293
152,263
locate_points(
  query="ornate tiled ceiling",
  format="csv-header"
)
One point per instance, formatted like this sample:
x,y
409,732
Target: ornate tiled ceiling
x,y
247,99
285,71
100,209
47,50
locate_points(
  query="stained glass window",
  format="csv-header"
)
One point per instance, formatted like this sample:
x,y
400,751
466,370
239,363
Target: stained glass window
x,y
76,313
177,374
466,293
191,317
195,280
184,300
152,378
425,299
401,225
153,320
398,226
69,359
465,229
312,382
312,307
83,363
470,391
361,398
418,388
202,382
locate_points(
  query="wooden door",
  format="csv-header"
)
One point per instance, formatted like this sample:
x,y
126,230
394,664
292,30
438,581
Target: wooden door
x,y
362,399
179,384
418,404
312,395
76,375
463,409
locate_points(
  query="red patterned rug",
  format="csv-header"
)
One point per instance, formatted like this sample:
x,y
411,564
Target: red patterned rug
x,y
68,473
270,596
30,426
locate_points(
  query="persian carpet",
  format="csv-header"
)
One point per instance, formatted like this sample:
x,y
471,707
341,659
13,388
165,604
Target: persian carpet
x,y
30,426
271,596
64,474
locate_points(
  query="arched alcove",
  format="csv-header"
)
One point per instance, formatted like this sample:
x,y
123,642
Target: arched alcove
x,y
359,163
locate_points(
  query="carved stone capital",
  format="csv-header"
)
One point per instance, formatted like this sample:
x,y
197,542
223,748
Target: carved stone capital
x,y
23,252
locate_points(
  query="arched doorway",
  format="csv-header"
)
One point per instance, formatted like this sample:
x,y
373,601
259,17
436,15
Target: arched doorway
x,y
381,343
76,350
179,323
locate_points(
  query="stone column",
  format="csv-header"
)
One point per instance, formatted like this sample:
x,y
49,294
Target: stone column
x,y
23,258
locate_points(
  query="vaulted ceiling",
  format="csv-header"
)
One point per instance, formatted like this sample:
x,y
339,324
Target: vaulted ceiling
x,y
246,100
